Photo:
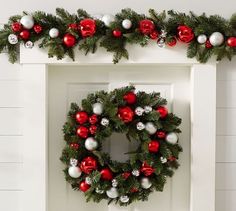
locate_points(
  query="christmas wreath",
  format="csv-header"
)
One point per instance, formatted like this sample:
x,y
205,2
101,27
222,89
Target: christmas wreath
x,y
144,118
61,33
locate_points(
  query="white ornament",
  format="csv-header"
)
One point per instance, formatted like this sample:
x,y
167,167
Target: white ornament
x,y
216,39
29,44
172,138
99,191
98,16
88,180
147,109
163,160
108,19
104,122
54,32
12,39
145,183
114,183
126,24
124,199
73,162
140,126
74,171
139,111
136,172
112,193
27,21
97,108
202,38
150,128
91,144
161,42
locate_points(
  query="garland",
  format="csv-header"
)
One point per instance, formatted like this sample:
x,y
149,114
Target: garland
x,y
206,36
143,118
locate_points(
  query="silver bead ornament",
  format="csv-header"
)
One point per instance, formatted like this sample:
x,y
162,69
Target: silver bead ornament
x,y
114,183
99,191
73,162
161,42
147,109
27,21
29,45
12,39
163,160
172,138
145,183
216,39
88,180
150,128
202,38
126,24
91,144
105,122
140,126
124,199
139,111
112,193
97,108
136,172
53,32
108,19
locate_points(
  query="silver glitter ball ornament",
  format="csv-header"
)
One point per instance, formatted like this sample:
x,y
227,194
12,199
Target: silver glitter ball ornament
x,y
202,38
54,32
147,109
126,24
150,128
163,160
140,126
124,199
99,191
12,39
139,111
105,122
88,180
136,172
73,162
29,44
114,183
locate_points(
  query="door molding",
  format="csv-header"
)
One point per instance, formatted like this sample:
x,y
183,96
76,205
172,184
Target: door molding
x,y
203,120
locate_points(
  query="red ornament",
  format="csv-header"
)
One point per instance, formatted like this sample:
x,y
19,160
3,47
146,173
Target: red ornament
x,y
74,146
185,33
154,35
125,114
93,119
172,42
25,34
208,44
87,27
69,40
116,33
126,175
134,190
146,169
88,164
172,158
130,98
161,134
231,41
82,132
146,26
73,26
16,27
38,29
83,186
81,117
162,111
93,129
106,174
153,146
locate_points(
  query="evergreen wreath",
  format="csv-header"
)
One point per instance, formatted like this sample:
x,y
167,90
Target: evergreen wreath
x,y
61,33
144,118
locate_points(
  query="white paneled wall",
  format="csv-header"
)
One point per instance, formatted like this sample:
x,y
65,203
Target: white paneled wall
x,y
226,137
11,137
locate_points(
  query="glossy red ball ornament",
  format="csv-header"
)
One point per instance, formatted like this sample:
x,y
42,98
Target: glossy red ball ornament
x,y
172,42
83,186
116,33
146,169
146,26
160,134
153,146
93,119
208,44
87,27
73,26
88,165
82,132
106,174
16,27
74,146
154,35
185,33
81,117
126,175
25,34
130,98
93,129
126,114
231,41
38,29
69,40
163,111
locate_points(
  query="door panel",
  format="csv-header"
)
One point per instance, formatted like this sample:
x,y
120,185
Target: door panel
x,y
72,83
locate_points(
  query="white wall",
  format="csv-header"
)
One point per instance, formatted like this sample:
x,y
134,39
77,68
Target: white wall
x,y
11,106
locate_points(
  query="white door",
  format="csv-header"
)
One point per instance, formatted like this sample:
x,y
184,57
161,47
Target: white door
x,y
72,83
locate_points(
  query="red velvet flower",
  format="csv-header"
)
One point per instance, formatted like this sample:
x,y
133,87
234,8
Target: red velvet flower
x,y
185,34
146,26
87,27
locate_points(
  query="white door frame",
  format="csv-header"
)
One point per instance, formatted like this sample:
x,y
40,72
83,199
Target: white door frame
x,y
203,119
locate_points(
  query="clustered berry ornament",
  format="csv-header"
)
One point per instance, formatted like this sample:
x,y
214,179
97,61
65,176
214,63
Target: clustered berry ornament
x,y
145,119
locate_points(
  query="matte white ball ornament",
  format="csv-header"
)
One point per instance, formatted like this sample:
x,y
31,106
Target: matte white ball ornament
x,y
202,38
126,24
54,32
12,39
150,128
91,144
97,108
108,19
145,183
112,193
27,21
172,138
216,39
74,171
